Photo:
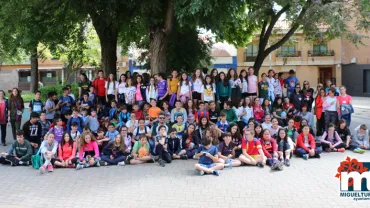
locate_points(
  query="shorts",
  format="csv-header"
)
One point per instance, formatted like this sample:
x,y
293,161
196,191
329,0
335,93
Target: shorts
x,y
255,156
238,152
196,96
208,165
252,94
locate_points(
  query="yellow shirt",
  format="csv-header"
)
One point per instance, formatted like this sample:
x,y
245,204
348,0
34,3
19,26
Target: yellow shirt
x,y
174,84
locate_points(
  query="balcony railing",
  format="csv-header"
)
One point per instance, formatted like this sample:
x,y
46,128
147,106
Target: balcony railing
x,y
288,54
321,53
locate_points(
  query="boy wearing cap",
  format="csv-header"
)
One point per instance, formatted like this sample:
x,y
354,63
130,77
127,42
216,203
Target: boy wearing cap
x,y
32,131
290,82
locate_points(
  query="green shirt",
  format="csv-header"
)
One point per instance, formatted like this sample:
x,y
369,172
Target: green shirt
x,y
231,116
263,88
137,146
23,151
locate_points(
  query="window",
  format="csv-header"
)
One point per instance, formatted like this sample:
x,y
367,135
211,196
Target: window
x,y
287,50
366,81
320,48
24,76
48,76
252,50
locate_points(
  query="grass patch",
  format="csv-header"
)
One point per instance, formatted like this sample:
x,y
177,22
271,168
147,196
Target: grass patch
x,y
27,96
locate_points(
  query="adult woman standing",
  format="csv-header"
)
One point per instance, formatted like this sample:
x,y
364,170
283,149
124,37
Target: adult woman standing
x,y
244,80
252,84
320,114
15,107
307,95
3,116
344,103
330,108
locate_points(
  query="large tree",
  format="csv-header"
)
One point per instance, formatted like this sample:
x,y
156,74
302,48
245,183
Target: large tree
x,y
24,24
318,19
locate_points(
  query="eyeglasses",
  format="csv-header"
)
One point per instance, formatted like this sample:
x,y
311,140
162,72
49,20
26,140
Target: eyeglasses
x,y
123,130
298,87
161,117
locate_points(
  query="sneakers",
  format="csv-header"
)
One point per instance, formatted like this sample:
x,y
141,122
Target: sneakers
x,y
260,165
327,150
201,172
274,165
161,163
341,150
50,168
359,150
195,157
71,166
42,169
183,157
287,162
216,172
24,163
318,156
121,163
280,165
79,166
128,158
305,156
97,163
230,162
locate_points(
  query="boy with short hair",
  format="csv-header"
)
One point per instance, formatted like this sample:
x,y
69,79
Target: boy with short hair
x,y
92,122
19,153
153,110
360,140
101,139
290,82
137,111
179,126
69,87
123,116
177,111
208,158
174,146
112,132
84,103
32,131
222,124
75,119
65,101
75,134
92,96
36,104
252,153
231,116
45,124
214,114
113,111
202,112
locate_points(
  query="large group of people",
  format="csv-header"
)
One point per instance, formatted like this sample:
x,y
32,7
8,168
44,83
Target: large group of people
x,y
221,120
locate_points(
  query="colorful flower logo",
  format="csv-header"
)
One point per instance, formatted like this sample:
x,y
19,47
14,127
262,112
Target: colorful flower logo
x,y
350,165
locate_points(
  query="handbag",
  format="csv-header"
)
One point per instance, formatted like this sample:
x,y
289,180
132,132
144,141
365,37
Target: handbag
x,y
37,160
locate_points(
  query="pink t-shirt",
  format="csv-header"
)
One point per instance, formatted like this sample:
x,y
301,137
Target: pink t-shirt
x,y
139,97
252,84
344,99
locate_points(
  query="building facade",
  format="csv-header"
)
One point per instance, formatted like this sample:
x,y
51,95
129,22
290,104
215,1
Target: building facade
x,y
313,62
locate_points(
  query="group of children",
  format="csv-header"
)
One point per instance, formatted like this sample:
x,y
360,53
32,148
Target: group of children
x,y
179,118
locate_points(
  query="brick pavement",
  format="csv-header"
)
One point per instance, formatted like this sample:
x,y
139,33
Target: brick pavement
x,y
305,184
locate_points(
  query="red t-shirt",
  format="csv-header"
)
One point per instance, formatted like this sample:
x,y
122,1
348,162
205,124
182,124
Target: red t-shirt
x,y
99,85
139,114
344,100
286,106
251,147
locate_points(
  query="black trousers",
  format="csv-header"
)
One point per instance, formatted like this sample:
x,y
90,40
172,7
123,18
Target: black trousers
x,y
3,133
320,124
164,155
325,146
330,117
11,159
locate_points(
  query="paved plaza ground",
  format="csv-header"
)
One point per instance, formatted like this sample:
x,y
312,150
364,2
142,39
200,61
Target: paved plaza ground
x,y
309,183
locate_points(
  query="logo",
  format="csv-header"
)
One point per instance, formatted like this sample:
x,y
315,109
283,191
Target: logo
x,y
354,179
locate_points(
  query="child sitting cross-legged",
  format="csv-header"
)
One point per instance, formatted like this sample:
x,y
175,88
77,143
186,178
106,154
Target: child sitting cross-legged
x,y
252,153
227,152
208,158
48,150
140,152
89,154
115,152
270,150
66,152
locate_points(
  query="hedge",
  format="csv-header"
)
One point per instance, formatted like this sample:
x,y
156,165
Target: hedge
x,y
58,89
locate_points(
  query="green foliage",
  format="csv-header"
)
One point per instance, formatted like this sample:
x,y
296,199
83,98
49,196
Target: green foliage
x,y
27,96
56,88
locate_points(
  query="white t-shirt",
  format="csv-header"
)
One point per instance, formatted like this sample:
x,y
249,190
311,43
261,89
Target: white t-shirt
x,y
139,131
111,87
244,85
266,125
271,82
208,93
198,85
329,100
184,88
130,124
130,94
121,87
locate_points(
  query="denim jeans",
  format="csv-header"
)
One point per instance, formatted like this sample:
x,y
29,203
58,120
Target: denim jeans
x,y
115,161
300,151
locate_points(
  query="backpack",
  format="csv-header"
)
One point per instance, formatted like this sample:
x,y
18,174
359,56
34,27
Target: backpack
x,y
204,113
137,131
37,160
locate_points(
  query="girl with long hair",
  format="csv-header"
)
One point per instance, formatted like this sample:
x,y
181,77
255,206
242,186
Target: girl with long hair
x,y
244,83
190,141
130,94
184,89
3,116
121,89
197,82
191,110
66,152
235,83
89,154
140,96
115,152
208,91
16,108
223,90
111,89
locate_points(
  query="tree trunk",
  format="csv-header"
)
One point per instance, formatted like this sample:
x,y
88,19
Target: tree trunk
x,y
157,51
108,36
34,71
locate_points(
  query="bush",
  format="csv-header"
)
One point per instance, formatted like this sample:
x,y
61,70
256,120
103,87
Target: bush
x,y
58,89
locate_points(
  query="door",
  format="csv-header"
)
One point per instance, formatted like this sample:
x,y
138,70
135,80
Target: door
x,y
367,81
325,75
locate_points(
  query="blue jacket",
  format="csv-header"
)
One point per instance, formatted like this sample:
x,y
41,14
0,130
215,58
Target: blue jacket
x,y
78,120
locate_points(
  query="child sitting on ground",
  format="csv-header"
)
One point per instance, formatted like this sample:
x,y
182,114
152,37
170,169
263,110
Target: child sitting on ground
x,y
208,158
